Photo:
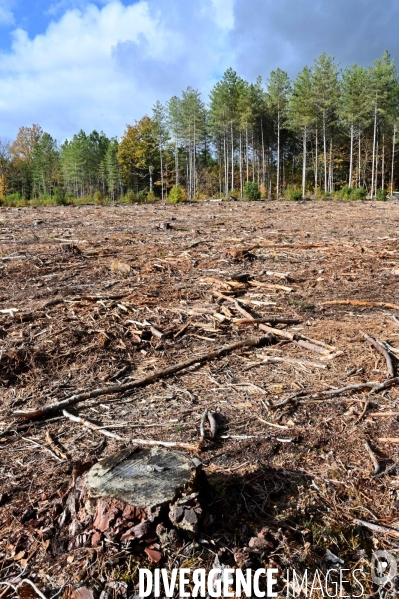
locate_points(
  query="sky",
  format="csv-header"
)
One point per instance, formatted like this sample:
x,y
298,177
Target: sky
x,y
102,64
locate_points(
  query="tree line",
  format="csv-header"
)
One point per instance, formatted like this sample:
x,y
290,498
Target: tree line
x,y
325,130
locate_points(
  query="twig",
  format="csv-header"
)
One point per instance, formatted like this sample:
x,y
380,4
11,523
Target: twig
x,y
388,470
200,359
91,425
377,527
384,385
350,388
272,423
34,587
286,401
42,447
381,349
373,457
365,407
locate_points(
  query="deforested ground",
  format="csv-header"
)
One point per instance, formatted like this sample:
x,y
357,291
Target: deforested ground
x,y
97,296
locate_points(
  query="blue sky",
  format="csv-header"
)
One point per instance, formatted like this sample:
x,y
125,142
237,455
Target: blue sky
x,y
100,64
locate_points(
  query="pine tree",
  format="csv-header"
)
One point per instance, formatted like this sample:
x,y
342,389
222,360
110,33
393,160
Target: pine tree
x,y
278,91
301,114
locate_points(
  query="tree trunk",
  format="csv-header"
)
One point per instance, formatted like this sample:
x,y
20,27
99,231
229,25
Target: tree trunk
x,y
176,161
241,184
246,147
263,157
325,152
351,160
330,172
150,171
278,156
160,156
226,173
360,161
304,163
232,156
383,163
393,156
373,162
316,169
253,158
376,168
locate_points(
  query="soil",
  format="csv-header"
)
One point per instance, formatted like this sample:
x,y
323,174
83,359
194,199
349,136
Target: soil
x,y
101,295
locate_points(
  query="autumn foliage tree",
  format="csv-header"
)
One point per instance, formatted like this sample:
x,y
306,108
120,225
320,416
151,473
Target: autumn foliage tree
x,y
138,151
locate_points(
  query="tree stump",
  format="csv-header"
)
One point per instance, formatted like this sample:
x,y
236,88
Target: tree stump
x,y
144,478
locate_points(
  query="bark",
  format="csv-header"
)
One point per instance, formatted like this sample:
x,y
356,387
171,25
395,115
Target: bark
x,y
263,156
246,147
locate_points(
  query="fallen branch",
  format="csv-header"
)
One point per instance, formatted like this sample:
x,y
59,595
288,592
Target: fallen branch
x,y
270,286
91,425
381,349
165,444
272,423
373,457
360,303
377,527
270,320
384,385
200,359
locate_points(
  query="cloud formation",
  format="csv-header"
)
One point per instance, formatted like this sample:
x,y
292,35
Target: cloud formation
x,y
103,67
6,15
291,33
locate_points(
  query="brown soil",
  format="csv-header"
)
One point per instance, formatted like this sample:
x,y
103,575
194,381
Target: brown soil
x,y
306,482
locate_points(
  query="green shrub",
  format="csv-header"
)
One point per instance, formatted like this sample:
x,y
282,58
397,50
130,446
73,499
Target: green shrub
x,y
293,193
381,195
59,196
177,194
251,191
358,194
319,194
346,192
151,197
14,200
98,198
130,196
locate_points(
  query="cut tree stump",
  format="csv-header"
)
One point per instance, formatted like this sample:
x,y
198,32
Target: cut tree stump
x,y
145,478
139,495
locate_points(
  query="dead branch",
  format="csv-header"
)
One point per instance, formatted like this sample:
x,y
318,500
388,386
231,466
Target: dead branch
x,y
200,359
91,425
361,303
373,457
165,444
381,349
384,385
377,527
270,320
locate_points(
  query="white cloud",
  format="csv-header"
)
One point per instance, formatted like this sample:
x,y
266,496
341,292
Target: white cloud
x,y
6,15
104,67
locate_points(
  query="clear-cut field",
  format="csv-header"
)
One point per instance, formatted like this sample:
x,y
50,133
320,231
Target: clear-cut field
x,y
94,296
